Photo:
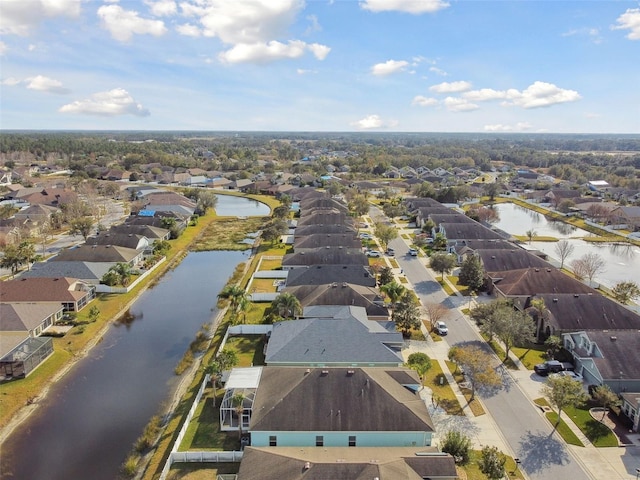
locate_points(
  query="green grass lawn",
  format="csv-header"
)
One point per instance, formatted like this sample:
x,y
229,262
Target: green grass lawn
x,y
597,433
531,356
444,393
255,314
563,429
248,348
203,433
201,471
474,405
497,348
472,469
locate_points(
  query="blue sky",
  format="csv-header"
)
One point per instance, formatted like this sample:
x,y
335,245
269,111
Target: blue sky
x,y
321,65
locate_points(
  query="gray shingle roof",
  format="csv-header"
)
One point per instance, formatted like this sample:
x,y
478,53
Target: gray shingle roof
x,y
501,260
324,274
340,294
354,399
332,341
88,271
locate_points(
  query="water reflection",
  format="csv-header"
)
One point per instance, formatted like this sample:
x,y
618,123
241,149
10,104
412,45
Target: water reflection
x,y
127,319
232,206
622,259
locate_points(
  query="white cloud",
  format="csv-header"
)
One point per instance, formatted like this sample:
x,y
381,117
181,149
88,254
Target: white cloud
x,y
538,94
541,94
629,20
162,8
592,33
451,87
3,48
19,17
518,127
189,30
456,104
107,104
302,71
372,122
422,101
123,24
45,84
11,82
415,7
319,51
438,71
389,67
243,21
251,28
314,25
269,52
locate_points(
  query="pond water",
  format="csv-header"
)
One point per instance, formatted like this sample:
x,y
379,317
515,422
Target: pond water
x,y
88,423
622,260
232,206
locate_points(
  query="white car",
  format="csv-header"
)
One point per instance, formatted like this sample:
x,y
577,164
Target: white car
x,y
366,236
567,373
413,252
373,253
442,328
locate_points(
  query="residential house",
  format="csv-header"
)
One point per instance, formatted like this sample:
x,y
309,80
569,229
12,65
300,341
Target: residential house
x,y
347,241
467,231
557,196
37,214
503,259
100,254
323,256
149,231
343,341
344,463
20,355
73,294
631,408
326,229
342,294
531,281
570,312
329,407
606,357
629,216
29,317
169,202
325,217
320,274
315,204
88,272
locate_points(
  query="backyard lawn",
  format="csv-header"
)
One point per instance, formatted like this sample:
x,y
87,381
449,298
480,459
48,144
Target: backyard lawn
x,y
248,348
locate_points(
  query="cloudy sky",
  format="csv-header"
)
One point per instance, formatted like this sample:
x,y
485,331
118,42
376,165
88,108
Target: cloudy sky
x,y
321,65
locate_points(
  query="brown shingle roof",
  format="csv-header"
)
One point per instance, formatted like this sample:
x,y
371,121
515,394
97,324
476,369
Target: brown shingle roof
x,y
532,281
42,290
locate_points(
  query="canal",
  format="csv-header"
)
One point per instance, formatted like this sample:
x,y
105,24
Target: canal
x,y
87,424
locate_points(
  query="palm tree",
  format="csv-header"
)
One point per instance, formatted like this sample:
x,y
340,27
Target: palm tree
x,y
238,404
122,272
394,291
287,305
235,294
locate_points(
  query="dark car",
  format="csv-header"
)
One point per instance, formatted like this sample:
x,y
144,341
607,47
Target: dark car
x,y
550,366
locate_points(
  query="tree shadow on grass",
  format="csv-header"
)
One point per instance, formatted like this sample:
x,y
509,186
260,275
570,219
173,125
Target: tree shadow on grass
x,y
539,450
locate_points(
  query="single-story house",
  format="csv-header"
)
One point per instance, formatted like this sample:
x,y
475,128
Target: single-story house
x,y
324,274
344,463
72,293
100,254
30,317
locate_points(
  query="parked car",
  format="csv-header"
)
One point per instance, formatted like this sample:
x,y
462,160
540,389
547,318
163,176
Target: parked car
x,y
442,328
391,252
413,252
567,373
366,236
551,366
373,253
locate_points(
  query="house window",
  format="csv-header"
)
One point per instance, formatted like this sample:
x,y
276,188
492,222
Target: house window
x,y
319,441
273,441
352,440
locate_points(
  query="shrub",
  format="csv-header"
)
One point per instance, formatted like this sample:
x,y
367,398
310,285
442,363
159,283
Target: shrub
x,y
458,445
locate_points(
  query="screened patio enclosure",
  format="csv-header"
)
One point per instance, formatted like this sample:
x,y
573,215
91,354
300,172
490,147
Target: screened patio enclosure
x,y
24,358
237,403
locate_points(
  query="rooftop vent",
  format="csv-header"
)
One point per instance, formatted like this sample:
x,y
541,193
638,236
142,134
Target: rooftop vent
x,y
555,300
307,465
575,295
325,372
613,338
350,372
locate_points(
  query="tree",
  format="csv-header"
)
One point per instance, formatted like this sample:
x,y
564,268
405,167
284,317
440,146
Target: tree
x,y
435,312
94,313
274,229
45,231
421,363
393,210
439,242
481,213
588,266
553,344
484,316
491,189
234,293
27,252
563,392
458,445
406,315
442,262
386,275
238,405
227,359
161,247
281,211
492,462
11,259
385,234
287,305
564,249
359,205
513,328
205,200
81,226
120,273
624,292
476,364
605,397
530,234
471,273
394,291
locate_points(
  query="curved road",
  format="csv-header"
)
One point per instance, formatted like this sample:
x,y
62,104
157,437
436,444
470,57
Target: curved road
x,y
543,455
